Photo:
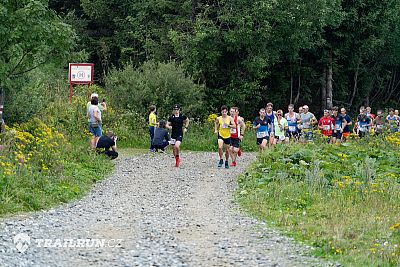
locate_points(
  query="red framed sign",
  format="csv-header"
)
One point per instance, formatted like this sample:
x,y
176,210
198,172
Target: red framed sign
x,y
80,73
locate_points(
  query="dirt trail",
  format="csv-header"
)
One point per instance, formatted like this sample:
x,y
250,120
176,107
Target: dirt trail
x,y
155,215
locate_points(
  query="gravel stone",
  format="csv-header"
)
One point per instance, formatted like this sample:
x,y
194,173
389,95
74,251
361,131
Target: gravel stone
x,y
152,214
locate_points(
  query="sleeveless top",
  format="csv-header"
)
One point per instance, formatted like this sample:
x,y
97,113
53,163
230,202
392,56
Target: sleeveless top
x,y
292,122
224,127
393,121
92,109
235,132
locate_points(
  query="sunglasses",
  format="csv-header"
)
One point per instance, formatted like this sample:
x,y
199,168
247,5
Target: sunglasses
x,y
279,114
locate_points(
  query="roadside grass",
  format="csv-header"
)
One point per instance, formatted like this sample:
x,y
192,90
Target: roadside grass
x,y
40,168
341,199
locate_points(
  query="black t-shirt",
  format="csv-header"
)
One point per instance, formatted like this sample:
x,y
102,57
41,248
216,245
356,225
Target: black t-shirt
x,y
339,120
363,121
177,124
263,122
105,142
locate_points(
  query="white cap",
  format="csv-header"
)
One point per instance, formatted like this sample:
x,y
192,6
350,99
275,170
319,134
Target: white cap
x,y
94,95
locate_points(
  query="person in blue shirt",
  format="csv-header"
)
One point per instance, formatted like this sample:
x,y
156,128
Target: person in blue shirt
x,y
364,123
346,129
338,128
161,138
393,121
263,125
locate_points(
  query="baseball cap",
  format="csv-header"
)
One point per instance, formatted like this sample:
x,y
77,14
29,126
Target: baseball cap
x,y
176,106
94,95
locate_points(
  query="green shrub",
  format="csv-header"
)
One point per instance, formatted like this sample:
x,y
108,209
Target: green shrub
x,y
161,84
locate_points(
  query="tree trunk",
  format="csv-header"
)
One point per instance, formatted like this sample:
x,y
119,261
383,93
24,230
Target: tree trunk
x,y
392,87
323,90
298,89
355,83
291,86
193,15
2,96
329,85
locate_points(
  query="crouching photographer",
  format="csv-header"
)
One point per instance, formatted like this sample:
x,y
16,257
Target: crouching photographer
x,y
107,144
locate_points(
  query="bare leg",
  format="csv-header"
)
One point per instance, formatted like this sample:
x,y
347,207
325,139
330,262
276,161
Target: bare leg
x,y
220,150
227,152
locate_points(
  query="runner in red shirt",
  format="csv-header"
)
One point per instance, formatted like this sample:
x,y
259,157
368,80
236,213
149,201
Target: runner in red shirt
x,y
326,124
236,134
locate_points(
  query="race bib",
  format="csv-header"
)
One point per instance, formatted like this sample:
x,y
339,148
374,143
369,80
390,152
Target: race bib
x,y
225,126
327,127
338,127
379,126
292,128
261,134
233,130
362,129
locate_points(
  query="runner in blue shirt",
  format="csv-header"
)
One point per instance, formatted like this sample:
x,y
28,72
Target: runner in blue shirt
x,y
340,123
263,125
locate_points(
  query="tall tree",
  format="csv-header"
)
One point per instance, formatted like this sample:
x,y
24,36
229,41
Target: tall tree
x,y
30,36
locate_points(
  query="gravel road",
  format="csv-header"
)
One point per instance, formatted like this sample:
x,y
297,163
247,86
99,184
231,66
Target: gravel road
x,y
149,213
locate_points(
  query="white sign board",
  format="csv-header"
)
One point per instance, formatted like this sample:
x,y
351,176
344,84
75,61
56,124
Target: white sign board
x,y
80,73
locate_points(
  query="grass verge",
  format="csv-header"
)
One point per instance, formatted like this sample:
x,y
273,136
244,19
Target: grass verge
x,y
40,168
343,200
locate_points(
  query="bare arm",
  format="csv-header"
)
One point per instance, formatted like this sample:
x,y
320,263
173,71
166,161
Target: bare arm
x,y
186,125
314,120
216,125
242,125
104,104
168,126
232,123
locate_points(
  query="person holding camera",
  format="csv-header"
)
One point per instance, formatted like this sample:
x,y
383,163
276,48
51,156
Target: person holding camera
x,y
94,124
161,137
102,106
107,144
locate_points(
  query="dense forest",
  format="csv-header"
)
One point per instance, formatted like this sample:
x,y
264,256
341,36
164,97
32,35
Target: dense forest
x,y
246,53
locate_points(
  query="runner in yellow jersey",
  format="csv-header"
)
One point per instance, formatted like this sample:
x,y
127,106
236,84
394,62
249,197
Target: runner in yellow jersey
x,y
223,125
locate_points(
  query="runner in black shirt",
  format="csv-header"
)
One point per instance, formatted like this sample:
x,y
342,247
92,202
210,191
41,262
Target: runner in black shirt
x,y
178,123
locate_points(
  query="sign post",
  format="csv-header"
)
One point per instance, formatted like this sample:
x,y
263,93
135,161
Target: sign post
x,y
80,73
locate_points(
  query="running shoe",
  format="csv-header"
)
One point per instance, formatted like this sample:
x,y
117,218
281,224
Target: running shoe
x,y
226,165
233,164
221,161
239,152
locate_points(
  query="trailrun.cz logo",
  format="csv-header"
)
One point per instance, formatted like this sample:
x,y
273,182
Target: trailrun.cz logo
x,y
23,241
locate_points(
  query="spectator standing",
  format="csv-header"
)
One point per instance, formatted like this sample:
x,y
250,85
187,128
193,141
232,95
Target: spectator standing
x,y
152,124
